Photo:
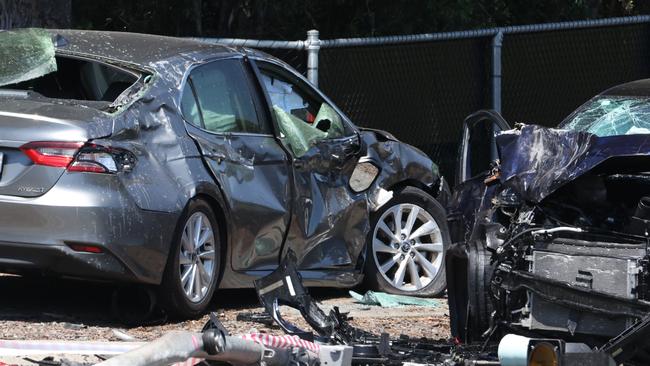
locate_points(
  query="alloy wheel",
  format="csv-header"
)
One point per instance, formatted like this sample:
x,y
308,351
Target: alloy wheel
x,y
197,257
407,247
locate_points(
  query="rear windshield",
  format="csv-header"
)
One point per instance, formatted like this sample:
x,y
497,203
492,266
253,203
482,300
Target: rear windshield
x,y
30,68
80,80
612,116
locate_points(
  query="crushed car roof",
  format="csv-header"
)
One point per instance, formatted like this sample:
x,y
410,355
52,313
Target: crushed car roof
x,y
142,49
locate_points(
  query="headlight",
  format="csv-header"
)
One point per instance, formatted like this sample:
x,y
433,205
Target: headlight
x,y
543,354
363,176
515,350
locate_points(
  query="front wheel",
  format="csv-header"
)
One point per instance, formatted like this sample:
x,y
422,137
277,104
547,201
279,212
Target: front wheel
x,y
193,266
406,245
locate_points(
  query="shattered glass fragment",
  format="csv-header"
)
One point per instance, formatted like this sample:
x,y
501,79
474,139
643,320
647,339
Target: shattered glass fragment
x,y
612,116
26,54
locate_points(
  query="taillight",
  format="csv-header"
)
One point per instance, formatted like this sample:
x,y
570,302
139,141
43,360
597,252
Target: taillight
x,y
94,159
79,157
86,248
56,154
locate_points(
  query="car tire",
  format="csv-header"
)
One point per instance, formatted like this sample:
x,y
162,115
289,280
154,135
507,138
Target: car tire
x,y
479,304
194,259
417,259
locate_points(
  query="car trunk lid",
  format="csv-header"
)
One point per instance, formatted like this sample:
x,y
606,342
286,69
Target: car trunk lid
x,y
25,121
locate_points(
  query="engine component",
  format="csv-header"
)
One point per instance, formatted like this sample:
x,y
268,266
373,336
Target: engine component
x,y
605,267
516,350
640,222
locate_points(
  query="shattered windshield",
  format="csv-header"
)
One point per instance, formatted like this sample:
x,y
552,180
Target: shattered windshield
x,y
612,116
26,54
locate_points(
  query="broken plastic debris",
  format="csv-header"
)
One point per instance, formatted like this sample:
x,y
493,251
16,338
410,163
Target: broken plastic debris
x,y
389,301
26,54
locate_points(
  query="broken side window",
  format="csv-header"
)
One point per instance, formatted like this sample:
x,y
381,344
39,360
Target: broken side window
x,y
612,116
303,119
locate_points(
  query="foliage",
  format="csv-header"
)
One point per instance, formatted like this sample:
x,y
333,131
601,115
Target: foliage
x,y
289,19
34,13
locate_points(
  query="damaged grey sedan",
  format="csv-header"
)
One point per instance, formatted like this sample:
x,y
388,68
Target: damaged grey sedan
x,y
192,166
551,226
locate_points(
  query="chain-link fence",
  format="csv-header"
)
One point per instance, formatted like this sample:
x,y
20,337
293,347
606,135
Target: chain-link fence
x,y
421,87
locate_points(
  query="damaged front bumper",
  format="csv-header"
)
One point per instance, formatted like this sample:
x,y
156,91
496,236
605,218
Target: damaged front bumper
x,y
555,242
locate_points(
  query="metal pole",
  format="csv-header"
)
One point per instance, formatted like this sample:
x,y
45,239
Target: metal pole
x,y
497,42
313,46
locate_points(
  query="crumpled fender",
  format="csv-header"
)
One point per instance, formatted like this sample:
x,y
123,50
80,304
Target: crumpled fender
x,y
400,165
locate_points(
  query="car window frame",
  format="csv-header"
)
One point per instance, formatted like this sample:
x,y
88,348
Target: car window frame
x,y
256,62
258,101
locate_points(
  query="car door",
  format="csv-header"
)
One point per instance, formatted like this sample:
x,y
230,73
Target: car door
x,y
472,194
478,152
330,221
225,115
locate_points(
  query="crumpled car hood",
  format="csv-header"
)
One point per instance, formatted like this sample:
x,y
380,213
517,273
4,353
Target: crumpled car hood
x,y
536,161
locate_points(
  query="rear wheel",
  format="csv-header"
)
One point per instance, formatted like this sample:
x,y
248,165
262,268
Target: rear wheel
x,y
193,267
406,246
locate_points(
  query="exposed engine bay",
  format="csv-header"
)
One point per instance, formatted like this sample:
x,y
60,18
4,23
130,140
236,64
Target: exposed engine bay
x,y
578,261
553,241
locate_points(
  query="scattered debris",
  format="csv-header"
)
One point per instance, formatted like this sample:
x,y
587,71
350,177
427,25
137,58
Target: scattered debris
x,y
388,300
260,317
284,287
123,335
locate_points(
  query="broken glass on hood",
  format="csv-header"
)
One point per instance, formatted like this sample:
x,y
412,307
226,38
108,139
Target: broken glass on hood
x,y
26,54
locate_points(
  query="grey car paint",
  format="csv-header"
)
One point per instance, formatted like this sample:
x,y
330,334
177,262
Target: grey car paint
x,y
266,203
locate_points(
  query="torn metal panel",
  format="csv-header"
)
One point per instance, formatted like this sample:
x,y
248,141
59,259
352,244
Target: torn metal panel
x,y
284,287
330,220
536,161
399,164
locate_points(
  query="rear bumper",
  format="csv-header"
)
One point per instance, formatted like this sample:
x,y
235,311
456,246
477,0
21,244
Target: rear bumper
x,y
89,209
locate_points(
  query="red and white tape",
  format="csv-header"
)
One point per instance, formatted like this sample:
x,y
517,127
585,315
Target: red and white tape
x,y
32,348
285,341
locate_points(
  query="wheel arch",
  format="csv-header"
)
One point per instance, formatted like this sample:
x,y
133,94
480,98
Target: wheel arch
x,y
215,199
413,183
438,188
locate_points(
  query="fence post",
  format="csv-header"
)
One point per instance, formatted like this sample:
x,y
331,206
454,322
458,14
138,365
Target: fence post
x,y
313,46
497,42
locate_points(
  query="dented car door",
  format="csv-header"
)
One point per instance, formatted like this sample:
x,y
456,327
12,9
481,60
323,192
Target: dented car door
x,y
475,171
330,220
229,124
